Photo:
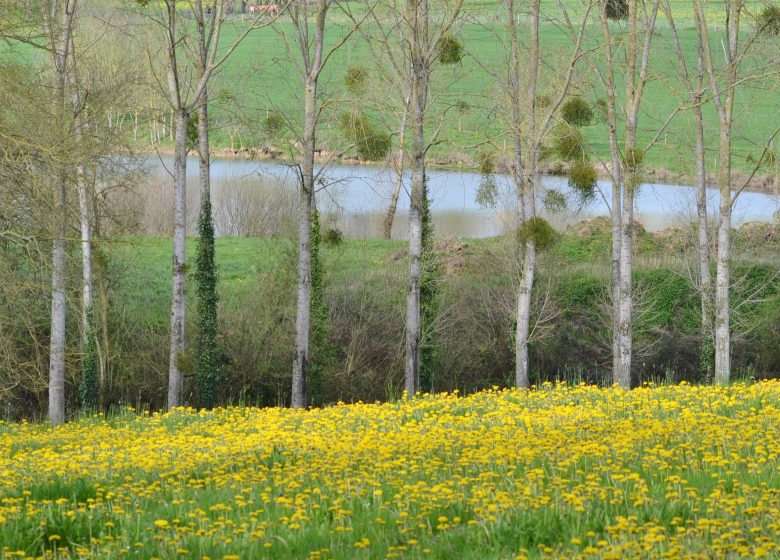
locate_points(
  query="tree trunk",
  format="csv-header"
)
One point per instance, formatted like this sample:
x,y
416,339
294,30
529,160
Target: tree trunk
x,y
58,312
204,156
522,373
207,368
175,374
305,202
616,210
723,99
86,252
525,175
413,323
89,386
625,295
207,373
103,342
696,92
105,339
390,217
703,248
84,222
625,301
722,278
59,52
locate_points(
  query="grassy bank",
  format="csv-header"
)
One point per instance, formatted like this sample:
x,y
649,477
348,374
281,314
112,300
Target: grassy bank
x,y
670,471
365,294
260,79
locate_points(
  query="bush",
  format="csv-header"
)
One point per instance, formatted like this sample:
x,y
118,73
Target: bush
x,y
616,9
632,159
577,112
273,125
768,20
583,178
355,80
568,143
539,231
333,237
450,50
370,143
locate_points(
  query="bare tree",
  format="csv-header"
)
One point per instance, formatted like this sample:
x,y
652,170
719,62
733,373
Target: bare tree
x,y
387,39
723,84
425,29
695,89
309,21
183,99
387,224
625,164
58,21
528,125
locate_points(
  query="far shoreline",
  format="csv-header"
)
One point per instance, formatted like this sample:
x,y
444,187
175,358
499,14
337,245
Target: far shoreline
x,y
764,183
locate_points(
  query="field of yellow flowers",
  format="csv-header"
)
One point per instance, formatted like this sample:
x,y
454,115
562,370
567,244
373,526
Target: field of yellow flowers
x,y
658,472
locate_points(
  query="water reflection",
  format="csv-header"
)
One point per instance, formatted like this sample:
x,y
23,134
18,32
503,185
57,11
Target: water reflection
x,y
355,198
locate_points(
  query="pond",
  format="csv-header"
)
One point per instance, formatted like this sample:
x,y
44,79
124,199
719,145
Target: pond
x,y
355,198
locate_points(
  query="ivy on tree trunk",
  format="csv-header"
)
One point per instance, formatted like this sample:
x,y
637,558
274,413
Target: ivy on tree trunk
x,y
321,350
429,301
207,372
89,385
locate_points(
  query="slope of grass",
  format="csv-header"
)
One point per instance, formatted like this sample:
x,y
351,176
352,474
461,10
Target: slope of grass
x,y
260,79
263,76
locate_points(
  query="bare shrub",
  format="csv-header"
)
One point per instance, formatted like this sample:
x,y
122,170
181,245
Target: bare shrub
x,y
245,207
242,206
368,330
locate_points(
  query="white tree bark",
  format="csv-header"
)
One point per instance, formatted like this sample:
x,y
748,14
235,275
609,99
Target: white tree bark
x,y
524,175
177,344
625,176
313,62
396,193
418,10
181,108
58,313
696,94
204,157
59,22
85,225
722,86
86,250
524,292
625,292
703,234
722,301
528,127
305,199
616,210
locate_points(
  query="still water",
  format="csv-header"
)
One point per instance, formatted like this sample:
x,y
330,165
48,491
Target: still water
x,y
356,197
